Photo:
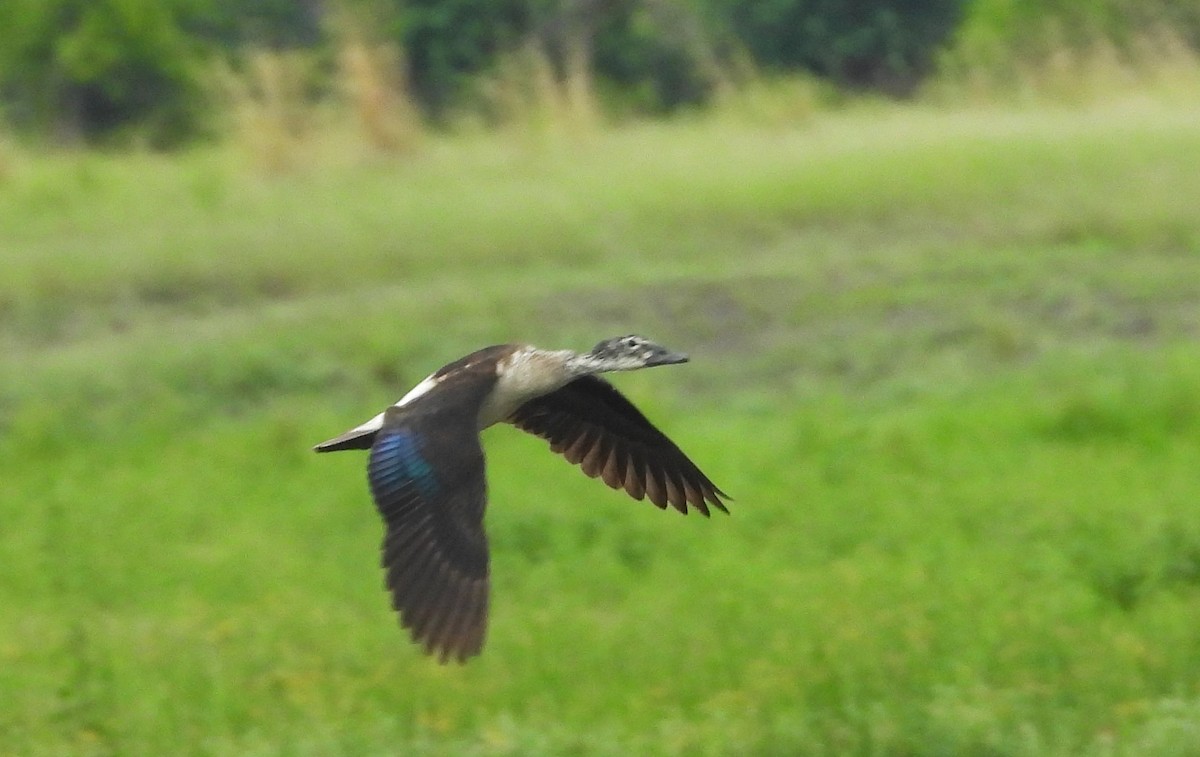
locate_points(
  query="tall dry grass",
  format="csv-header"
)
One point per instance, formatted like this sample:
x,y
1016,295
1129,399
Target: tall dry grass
x,y
1071,67
266,106
527,94
373,85
284,108
288,108
744,94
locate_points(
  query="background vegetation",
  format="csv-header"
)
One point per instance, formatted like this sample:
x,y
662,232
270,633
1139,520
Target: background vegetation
x,y
148,70
944,357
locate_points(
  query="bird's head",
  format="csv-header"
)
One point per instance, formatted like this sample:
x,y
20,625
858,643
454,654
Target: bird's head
x,y
628,353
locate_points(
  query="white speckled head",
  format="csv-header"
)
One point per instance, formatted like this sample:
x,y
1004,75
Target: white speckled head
x,y
629,353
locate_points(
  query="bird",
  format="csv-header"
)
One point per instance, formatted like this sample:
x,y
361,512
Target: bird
x,y
426,472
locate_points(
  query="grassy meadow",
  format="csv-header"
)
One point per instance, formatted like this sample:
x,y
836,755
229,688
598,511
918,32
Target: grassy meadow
x,y
944,359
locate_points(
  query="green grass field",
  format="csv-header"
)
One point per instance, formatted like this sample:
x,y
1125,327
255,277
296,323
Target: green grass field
x,y
945,361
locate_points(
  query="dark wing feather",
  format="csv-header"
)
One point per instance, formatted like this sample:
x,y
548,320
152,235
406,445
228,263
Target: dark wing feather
x,y
591,424
426,472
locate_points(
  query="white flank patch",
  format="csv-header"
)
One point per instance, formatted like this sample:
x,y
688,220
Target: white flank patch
x,y
426,384
374,424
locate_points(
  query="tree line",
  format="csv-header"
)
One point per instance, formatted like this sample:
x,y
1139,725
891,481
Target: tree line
x,y
89,69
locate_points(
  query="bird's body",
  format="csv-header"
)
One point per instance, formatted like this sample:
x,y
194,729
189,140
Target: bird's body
x,y
426,467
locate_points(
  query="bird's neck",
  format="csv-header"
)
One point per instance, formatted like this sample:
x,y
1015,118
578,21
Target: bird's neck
x,y
588,364
523,375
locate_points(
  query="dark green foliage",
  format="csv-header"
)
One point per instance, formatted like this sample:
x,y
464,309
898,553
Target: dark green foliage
x,y
1030,29
88,68
270,23
662,54
646,49
655,52
447,42
887,44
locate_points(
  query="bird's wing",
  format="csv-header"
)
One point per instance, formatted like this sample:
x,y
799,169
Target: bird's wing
x,y
592,424
427,479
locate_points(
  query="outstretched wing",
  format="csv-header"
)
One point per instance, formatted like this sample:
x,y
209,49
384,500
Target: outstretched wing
x,y
592,424
426,472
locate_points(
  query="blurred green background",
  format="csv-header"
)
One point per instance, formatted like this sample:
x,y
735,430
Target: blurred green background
x,y
937,266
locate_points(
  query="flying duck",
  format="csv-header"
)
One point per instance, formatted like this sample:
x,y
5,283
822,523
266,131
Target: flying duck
x,y
426,469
